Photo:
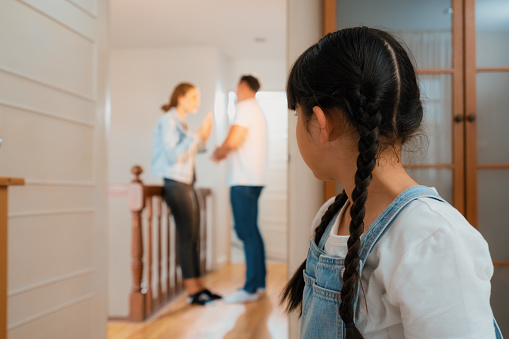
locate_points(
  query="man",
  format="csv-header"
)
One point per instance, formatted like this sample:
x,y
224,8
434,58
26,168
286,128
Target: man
x,y
246,147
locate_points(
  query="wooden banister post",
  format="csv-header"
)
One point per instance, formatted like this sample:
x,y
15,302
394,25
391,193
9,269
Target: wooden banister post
x,y
136,202
4,183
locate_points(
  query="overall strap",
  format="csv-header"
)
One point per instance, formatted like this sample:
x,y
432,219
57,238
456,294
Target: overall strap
x,y
326,234
383,222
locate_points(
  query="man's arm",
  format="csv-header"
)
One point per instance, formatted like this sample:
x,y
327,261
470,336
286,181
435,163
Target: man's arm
x,y
236,136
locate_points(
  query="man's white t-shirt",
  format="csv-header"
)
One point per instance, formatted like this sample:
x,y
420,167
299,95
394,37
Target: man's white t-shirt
x,y
247,164
427,277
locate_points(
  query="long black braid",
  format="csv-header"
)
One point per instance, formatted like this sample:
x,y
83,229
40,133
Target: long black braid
x,y
366,76
369,120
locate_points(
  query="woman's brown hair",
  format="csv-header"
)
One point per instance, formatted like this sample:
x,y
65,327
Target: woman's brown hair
x,y
179,91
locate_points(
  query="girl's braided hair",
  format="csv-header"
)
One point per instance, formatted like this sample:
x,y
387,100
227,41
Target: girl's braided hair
x,y
365,76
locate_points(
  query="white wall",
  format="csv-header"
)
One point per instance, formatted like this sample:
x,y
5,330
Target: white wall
x,y
141,81
305,192
52,111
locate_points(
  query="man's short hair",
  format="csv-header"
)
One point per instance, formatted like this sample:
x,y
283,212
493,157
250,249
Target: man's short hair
x,y
251,81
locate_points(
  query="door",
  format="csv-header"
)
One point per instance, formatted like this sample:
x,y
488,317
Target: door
x,y
52,122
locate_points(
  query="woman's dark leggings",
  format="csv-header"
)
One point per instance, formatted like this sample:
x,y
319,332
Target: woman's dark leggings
x,y
182,200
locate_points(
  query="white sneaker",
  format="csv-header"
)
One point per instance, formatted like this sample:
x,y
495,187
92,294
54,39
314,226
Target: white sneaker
x,y
260,290
241,296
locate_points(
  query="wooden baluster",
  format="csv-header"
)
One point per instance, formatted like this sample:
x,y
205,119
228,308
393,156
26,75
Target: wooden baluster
x,y
169,291
159,202
135,198
149,297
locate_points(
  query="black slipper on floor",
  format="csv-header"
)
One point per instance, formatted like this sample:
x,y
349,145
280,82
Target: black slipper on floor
x,y
212,296
201,298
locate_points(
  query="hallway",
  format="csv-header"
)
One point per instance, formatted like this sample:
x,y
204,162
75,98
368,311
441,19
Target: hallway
x,y
262,319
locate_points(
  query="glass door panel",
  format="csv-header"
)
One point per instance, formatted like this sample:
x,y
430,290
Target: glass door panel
x,y
500,297
424,26
493,117
493,202
492,33
434,146
440,178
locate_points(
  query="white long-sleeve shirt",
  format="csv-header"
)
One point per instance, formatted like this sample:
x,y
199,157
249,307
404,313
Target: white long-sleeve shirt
x,y
427,277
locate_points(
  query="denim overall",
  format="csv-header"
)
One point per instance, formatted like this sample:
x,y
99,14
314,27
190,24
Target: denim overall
x,y
321,299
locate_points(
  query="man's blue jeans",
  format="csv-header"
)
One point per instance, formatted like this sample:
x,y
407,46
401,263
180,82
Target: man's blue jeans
x,y
244,200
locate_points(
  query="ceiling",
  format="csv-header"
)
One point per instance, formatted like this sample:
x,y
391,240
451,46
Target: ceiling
x,y
230,25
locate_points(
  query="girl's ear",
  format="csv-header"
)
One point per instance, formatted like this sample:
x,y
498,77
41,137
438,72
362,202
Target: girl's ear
x,y
325,126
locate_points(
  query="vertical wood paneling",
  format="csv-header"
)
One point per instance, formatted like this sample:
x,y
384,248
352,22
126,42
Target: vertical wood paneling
x,y
3,260
458,107
470,108
329,16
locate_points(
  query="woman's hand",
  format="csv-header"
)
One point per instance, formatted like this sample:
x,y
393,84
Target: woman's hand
x,y
206,127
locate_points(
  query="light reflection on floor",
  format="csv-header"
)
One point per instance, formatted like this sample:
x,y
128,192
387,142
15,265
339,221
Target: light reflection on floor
x,y
263,319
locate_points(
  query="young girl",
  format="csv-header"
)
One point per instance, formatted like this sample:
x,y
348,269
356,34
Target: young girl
x,y
389,258
173,158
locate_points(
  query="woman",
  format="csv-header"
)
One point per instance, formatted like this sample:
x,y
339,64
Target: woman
x,y
173,158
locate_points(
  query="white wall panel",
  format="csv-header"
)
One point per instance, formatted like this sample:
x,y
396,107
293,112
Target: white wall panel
x,y
45,50
72,322
88,6
34,198
66,13
48,247
29,303
21,92
44,148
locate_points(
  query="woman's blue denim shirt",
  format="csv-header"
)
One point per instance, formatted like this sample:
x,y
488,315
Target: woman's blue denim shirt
x,y
174,149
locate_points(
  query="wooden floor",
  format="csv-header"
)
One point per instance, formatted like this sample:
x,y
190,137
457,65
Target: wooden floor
x,y
263,319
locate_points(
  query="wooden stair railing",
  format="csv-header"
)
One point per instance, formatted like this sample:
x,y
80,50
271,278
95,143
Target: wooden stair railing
x,y
4,184
147,202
